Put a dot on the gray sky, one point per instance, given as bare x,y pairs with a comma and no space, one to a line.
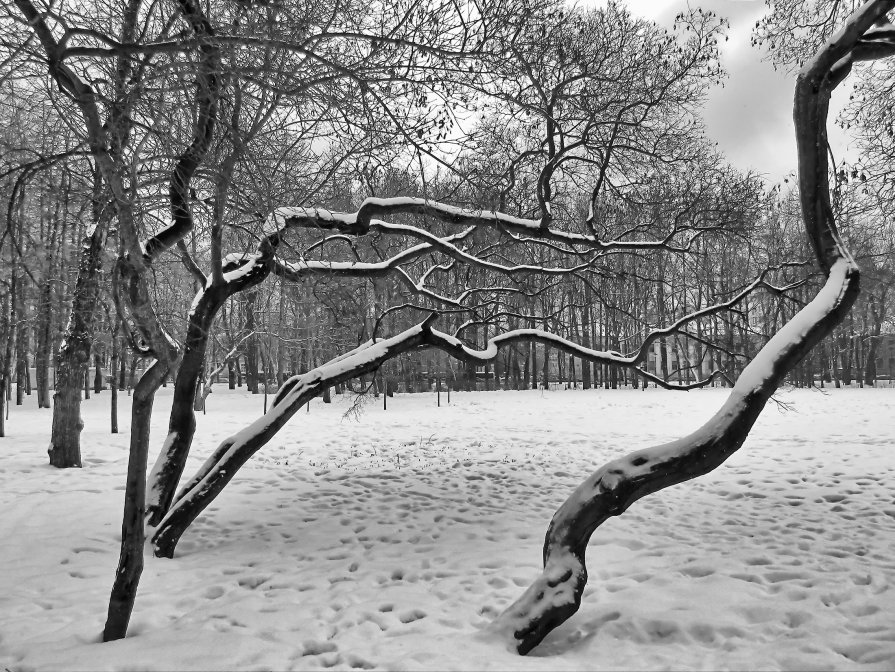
751,117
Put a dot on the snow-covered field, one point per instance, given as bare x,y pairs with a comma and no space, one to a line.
390,541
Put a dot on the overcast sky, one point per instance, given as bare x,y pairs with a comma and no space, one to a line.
751,117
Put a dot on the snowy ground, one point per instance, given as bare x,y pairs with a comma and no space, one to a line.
390,541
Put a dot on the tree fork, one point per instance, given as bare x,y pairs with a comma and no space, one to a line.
182,424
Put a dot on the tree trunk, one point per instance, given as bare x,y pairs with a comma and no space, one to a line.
876,313
130,560
233,452
251,344
74,353
42,351
182,423
21,342
97,373
113,378
6,359
526,363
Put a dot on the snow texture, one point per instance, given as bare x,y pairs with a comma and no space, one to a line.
392,541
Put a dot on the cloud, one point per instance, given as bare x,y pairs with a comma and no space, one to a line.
750,117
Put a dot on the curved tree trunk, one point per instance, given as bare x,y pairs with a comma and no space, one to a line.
556,594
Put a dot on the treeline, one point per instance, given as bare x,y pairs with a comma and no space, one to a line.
282,328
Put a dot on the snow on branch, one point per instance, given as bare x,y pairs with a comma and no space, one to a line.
298,390
296,270
445,246
362,222
233,452
456,348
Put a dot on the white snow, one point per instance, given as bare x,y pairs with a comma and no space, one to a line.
234,275
392,541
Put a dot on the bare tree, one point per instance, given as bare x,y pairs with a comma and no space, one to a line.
490,235
556,595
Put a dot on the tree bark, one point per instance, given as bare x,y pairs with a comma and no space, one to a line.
97,373
251,344
182,423
876,314
6,359
113,380
21,344
42,350
74,354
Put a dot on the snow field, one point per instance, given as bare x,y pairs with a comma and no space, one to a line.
392,540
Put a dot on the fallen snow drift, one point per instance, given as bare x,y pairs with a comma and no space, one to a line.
391,541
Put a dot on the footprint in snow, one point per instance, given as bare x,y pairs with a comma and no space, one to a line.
213,592
412,615
315,648
252,582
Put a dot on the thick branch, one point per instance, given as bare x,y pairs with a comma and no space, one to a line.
361,222
207,96
234,452
609,491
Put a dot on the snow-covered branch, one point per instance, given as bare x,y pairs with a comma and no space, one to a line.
230,455
366,219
